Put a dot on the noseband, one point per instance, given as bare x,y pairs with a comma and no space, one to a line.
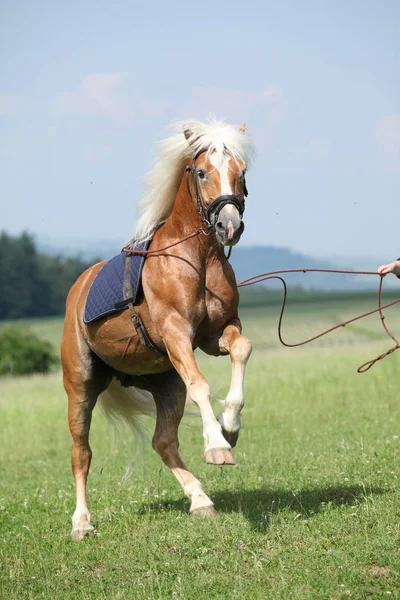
209,212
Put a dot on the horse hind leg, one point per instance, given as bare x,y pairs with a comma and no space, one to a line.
169,394
84,380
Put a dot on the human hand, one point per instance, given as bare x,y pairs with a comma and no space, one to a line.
393,267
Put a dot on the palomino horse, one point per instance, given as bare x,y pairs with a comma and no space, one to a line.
195,203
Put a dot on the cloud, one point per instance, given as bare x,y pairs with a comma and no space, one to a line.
14,104
106,94
388,139
99,94
234,103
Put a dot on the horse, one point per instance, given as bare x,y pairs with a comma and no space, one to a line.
192,209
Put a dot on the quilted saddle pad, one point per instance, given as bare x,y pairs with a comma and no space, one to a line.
106,294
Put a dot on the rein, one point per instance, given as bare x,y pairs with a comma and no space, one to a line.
145,252
209,215
274,275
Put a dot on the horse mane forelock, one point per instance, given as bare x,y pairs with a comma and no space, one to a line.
163,181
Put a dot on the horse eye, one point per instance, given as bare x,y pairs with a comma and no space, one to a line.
201,174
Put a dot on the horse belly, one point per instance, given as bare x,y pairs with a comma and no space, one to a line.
115,340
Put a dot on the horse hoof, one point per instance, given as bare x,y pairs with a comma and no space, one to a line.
205,511
219,456
78,534
231,437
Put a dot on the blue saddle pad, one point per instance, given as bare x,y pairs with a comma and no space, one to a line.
106,294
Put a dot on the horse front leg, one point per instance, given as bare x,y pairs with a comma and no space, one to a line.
177,339
235,344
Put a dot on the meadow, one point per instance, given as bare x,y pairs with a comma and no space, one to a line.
311,511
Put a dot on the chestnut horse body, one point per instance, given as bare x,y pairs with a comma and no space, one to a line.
190,300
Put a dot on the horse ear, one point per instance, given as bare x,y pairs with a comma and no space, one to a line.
242,127
188,133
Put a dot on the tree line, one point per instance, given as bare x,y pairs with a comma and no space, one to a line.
34,284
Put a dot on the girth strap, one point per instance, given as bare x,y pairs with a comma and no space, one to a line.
142,331
136,318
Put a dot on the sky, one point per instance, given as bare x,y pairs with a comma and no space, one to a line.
87,88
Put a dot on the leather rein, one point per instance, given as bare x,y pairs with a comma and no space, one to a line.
208,214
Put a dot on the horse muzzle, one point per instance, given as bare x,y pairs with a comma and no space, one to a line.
229,226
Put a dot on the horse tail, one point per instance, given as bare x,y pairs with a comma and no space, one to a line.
126,404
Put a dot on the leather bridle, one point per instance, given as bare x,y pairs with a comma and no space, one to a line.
209,212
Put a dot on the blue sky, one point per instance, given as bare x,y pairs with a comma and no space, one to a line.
87,88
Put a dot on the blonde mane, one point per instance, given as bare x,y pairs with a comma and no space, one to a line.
163,181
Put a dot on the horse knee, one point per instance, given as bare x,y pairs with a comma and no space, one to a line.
241,349
199,391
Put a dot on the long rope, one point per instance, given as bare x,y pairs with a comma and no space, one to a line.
274,275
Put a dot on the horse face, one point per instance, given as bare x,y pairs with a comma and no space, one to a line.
221,175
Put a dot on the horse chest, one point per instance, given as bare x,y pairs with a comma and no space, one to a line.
221,301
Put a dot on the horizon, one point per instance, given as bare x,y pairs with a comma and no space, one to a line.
73,243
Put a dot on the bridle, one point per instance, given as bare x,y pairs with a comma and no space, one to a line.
209,212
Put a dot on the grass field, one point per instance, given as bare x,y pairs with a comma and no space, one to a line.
311,511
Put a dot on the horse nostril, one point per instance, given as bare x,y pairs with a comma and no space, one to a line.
220,225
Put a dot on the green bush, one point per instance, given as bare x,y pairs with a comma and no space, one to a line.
23,352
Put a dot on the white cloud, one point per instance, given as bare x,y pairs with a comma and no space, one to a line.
14,104
104,94
99,94
238,104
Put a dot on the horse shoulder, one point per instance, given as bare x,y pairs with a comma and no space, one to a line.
222,297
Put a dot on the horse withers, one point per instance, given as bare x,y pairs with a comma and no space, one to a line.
194,205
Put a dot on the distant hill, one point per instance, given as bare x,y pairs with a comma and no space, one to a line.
251,260
84,248
246,261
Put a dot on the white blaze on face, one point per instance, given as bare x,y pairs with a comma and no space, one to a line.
223,170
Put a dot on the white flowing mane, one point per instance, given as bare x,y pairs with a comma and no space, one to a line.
163,181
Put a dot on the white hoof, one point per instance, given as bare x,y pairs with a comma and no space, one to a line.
205,511
81,528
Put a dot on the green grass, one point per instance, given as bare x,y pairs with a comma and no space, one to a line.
312,510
